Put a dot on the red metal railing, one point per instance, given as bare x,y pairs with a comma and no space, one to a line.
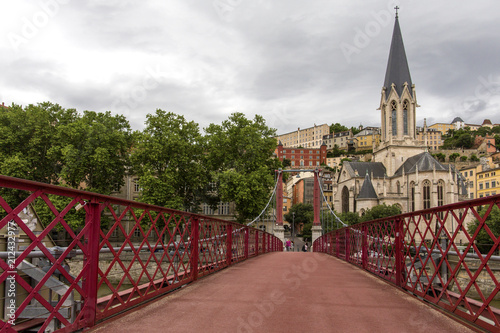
115,254
446,255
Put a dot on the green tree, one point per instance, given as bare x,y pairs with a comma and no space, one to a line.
483,241
300,213
355,130
27,137
474,158
336,128
349,218
440,157
453,157
463,158
239,156
94,151
168,159
380,211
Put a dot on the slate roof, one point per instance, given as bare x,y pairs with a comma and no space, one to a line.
397,71
367,190
376,168
457,119
424,162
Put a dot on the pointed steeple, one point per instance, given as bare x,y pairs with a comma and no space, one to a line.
367,190
397,71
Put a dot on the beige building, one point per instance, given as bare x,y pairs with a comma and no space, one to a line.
402,172
429,137
311,137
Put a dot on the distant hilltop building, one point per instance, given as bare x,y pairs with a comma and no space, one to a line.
402,172
457,123
311,137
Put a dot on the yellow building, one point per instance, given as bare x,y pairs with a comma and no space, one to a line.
488,182
431,138
311,137
442,127
470,174
366,138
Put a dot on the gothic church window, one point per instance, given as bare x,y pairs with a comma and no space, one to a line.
405,117
345,200
427,194
394,118
412,196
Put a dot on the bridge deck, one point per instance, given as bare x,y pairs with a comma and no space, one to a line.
286,292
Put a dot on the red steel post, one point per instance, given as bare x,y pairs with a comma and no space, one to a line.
256,242
279,198
195,238
364,247
317,201
264,243
347,245
93,220
337,244
398,251
229,244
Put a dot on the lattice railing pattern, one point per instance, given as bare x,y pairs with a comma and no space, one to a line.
447,255
114,254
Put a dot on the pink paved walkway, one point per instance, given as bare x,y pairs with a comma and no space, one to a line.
286,292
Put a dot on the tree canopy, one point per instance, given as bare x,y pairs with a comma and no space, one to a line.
239,157
168,159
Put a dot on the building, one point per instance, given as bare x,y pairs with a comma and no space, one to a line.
311,137
441,127
471,175
302,157
367,138
402,172
485,144
303,191
429,137
341,139
488,182
328,141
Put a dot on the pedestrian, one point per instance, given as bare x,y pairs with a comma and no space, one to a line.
288,244
304,248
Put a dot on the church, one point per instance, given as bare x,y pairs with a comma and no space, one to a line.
402,171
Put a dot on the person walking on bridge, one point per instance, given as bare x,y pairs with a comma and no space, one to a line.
288,244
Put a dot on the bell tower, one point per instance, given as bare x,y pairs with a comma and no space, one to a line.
398,105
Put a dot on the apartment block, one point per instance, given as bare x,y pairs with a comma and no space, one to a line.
309,158
311,137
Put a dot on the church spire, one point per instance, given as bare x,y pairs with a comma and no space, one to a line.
397,72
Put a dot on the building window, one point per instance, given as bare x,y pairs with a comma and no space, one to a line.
412,196
427,194
480,186
405,117
493,183
137,187
394,118
487,184
440,196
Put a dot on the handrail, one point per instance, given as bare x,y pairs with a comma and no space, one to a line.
89,286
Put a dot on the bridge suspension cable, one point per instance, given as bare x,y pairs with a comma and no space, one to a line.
273,195
337,219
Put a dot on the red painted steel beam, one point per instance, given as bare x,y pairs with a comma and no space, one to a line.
317,201
279,198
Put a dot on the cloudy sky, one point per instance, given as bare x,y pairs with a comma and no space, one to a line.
295,62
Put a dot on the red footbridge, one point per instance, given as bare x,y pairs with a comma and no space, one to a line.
77,261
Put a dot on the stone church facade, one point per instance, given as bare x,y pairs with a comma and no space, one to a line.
402,172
